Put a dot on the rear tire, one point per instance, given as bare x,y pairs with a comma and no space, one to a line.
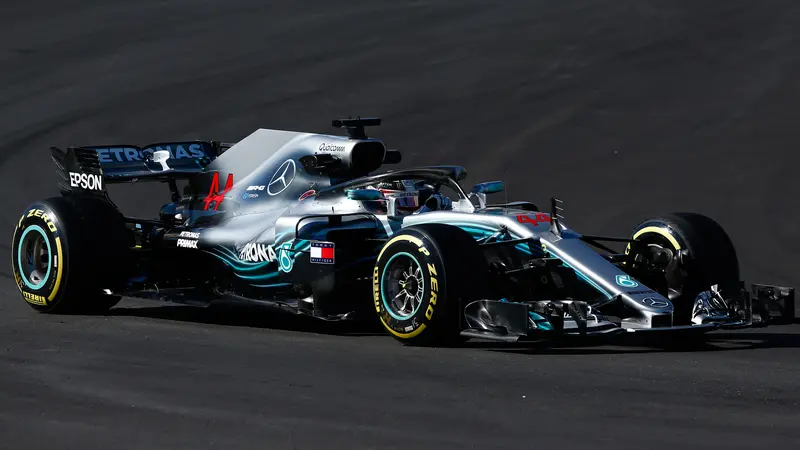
711,257
423,278
66,251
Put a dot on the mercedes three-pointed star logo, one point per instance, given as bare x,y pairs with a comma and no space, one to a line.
282,179
654,303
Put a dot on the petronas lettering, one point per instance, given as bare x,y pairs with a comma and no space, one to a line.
254,252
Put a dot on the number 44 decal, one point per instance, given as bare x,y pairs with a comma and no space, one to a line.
533,219
214,196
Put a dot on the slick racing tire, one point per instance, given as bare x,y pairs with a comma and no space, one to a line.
66,251
423,278
709,258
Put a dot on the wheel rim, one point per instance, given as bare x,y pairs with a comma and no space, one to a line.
402,286
654,243
33,257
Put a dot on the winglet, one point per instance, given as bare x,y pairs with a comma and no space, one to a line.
554,216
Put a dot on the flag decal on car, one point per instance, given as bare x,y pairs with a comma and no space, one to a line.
322,252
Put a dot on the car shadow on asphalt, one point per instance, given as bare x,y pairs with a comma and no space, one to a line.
250,317
777,336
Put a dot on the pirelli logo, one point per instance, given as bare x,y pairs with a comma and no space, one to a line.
33,298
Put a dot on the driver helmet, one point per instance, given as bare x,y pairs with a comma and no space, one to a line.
405,193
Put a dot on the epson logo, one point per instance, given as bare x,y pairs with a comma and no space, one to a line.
255,188
331,147
257,252
92,182
187,243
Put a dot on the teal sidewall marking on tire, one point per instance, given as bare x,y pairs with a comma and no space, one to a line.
383,295
24,277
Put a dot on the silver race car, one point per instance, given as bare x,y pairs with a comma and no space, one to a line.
303,223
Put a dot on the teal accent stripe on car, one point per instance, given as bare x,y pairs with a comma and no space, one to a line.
586,279
540,321
249,270
271,285
483,231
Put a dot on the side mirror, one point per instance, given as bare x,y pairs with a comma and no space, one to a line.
365,194
371,195
489,187
480,191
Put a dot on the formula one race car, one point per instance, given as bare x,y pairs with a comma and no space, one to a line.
303,223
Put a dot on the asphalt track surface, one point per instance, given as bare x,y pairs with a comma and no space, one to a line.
624,109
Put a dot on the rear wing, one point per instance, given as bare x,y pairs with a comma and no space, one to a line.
87,169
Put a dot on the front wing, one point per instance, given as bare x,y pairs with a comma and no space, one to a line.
502,320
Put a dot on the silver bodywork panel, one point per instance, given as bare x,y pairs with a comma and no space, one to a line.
263,212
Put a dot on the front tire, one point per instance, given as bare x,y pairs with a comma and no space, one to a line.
65,251
423,278
709,258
